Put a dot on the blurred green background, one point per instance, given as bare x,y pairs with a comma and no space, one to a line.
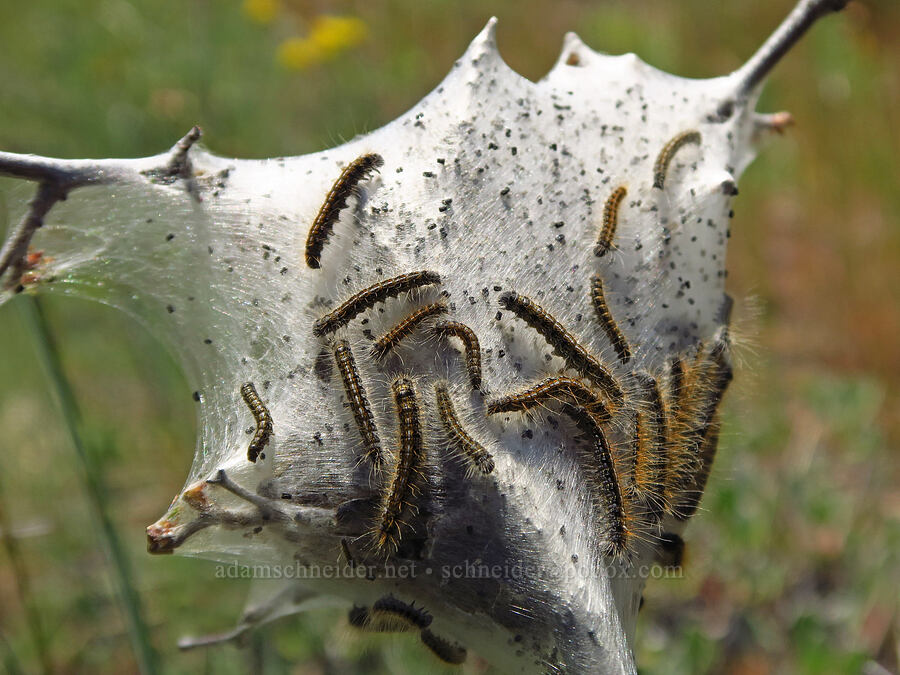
794,562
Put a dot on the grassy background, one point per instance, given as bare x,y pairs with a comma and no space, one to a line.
794,563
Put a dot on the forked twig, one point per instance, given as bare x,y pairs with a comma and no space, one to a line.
295,521
57,177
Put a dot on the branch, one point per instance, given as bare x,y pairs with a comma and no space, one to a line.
13,253
57,177
294,521
795,25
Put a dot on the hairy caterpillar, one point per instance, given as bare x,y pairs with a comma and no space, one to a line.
408,468
369,297
604,316
470,344
650,469
603,479
610,220
447,652
564,344
472,449
358,401
335,201
263,421
391,610
563,389
392,338
661,166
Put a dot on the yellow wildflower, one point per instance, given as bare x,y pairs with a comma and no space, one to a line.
334,34
261,11
299,53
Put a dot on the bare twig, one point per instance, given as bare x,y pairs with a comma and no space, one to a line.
162,539
13,253
776,122
267,508
804,15
187,642
179,165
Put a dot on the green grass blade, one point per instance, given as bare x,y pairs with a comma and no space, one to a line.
23,590
93,481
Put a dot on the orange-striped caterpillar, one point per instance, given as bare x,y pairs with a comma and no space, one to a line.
335,201
369,297
581,405
697,434
650,468
717,373
263,421
392,338
680,405
408,468
470,344
473,450
693,491
358,401
661,167
610,220
563,343
447,652
675,382
604,316
562,389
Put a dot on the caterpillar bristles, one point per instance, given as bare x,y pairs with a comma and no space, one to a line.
680,403
470,345
649,464
559,389
370,296
404,328
478,458
564,344
358,401
263,421
610,220
661,166
607,322
693,492
675,382
335,202
389,611
704,386
345,552
603,479
407,470
448,652
363,619
651,460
